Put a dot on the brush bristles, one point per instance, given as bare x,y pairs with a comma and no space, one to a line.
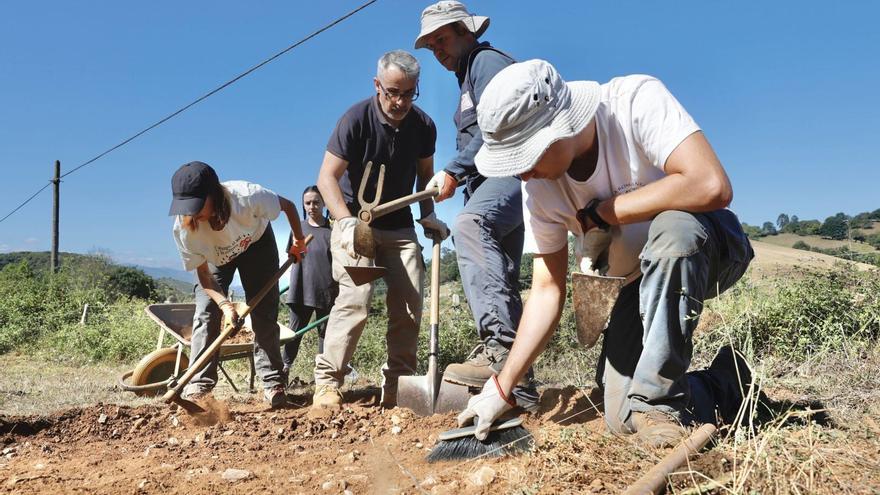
499,443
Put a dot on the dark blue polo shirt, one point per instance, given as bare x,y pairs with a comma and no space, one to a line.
363,134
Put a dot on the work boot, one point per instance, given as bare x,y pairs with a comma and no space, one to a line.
327,396
736,374
657,429
275,396
485,360
194,393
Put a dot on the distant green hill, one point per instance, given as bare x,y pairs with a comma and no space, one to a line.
39,260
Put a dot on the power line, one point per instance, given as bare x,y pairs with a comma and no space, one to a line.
196,101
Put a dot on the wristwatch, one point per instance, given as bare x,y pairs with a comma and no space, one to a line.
590,212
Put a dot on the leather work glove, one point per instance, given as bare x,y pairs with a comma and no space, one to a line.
298,249
434,226
230,315
445,182
346,231
591,251
486,407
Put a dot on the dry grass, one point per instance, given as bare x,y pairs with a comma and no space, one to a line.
788,240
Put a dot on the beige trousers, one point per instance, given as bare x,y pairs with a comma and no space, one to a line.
399,252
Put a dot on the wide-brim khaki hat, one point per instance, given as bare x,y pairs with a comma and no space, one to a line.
524,109
447,12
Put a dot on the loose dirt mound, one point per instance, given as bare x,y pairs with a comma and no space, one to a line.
364,449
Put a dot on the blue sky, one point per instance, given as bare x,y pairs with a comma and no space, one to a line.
785,91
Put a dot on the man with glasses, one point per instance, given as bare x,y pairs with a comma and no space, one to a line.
383,129
488,232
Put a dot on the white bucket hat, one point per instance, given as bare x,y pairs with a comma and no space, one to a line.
447,12
524,109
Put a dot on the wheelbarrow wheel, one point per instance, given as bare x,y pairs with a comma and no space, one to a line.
156,367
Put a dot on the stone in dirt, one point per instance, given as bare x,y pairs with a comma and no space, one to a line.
232,475
102,418
597,486
482,476
334,485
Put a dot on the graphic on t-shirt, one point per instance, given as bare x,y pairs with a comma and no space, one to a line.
225,254
628,187
466,102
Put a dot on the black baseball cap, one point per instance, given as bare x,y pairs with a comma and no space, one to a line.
190,186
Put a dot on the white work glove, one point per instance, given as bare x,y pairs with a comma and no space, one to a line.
435,225
486,407
346,232
230,315
445,182
590,251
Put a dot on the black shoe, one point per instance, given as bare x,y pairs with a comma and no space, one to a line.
732,365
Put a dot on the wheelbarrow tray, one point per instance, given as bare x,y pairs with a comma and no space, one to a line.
176,319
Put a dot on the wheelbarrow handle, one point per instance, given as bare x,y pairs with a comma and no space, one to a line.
208,354
368,215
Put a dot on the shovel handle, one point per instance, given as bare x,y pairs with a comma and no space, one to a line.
212,349
368,215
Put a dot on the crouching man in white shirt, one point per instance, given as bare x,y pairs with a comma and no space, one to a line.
624,168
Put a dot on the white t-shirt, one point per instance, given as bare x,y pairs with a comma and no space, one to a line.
251,208
639,124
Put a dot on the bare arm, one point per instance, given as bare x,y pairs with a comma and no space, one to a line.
209,285
424,173
289,210
539,319
695,182
328,183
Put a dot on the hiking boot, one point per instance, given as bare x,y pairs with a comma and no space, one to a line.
485,360
275,396
735,373
327,396
658,429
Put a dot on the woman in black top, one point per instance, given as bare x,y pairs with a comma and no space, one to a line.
312,288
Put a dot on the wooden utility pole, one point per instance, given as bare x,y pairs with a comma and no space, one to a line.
56,182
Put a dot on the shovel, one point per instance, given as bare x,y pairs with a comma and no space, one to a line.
176,386
423,393
593,297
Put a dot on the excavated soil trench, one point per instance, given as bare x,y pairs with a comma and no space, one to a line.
362,449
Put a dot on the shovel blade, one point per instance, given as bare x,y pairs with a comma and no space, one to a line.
593,297
189,406
417,393
452,397
361,275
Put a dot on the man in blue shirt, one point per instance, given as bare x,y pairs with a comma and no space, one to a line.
488,232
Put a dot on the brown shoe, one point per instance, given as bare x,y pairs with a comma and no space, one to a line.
657,429
327,396
484,361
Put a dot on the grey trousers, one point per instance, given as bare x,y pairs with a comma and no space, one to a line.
399,252
488,236
255,266
648,344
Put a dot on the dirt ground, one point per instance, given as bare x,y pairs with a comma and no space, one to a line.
156,449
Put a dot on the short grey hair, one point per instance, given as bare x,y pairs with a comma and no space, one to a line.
400,59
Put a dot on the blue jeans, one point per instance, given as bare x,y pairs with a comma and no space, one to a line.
647,349
488,236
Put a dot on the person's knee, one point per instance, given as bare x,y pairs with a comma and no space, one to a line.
466,227
674,234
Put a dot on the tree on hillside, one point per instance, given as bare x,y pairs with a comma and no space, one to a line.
132,282
782,220
752,232
835,227
792,227
768,229
448,265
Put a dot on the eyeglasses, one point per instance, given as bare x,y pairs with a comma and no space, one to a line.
411,95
